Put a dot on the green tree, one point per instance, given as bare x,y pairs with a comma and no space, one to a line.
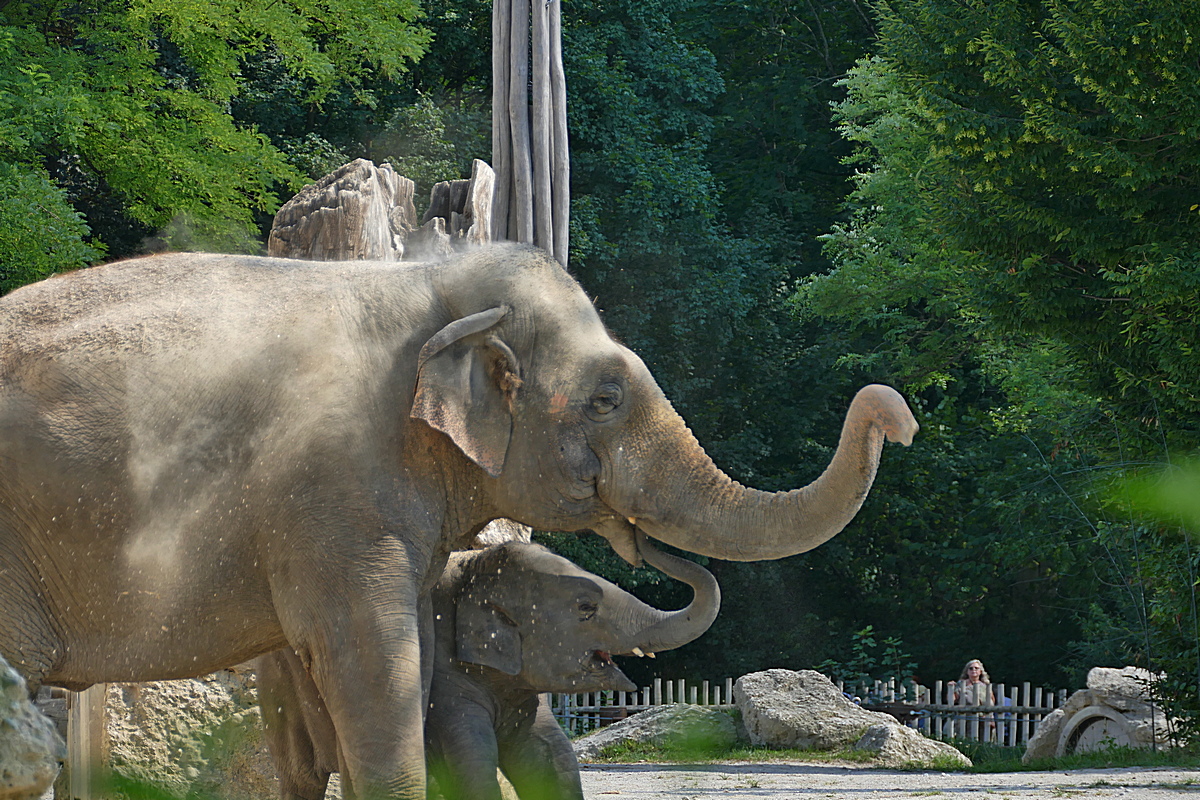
1024,214
127,105
40,233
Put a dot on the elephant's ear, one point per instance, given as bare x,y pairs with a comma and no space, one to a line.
466,383
486,635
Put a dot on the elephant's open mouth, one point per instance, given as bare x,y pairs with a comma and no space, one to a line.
603,673
601,660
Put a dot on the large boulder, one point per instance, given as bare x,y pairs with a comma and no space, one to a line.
31,751
1114,710
673,725
805,710
899,746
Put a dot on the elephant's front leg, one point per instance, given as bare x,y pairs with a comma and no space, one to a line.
357,631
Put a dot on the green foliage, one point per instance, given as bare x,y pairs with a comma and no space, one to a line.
1021,238
1172,495
40,233
1166,558
1060,138
128,105
867,662
414,142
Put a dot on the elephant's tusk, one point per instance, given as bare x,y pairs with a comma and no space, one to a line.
632,520
650,655
637,651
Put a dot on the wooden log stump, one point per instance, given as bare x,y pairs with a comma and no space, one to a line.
466,205
357,212
361,211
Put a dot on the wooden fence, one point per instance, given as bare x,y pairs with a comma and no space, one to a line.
1010,721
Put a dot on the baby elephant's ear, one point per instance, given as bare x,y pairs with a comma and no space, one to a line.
466,382
487,635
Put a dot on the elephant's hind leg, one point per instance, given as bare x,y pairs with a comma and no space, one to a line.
298,731
462,755
539,761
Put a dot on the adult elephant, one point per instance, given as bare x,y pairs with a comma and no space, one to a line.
204,458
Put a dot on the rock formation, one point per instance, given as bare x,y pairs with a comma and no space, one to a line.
195,737
677,725
31,751
1113,711
805,710
361,211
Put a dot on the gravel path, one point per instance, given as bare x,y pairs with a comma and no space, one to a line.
778,780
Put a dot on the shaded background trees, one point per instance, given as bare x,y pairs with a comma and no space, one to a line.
989,205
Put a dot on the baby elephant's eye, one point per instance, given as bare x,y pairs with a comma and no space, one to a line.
606,399
586,611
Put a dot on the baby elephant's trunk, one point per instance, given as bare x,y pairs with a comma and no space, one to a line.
676,628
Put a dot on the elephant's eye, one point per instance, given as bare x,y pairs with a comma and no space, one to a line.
586,611
606,399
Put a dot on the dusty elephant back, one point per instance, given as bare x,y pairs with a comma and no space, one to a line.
159,410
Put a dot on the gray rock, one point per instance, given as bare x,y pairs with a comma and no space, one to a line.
898,746
663,725
1127,690
1044,742
31,751
195,737
804,710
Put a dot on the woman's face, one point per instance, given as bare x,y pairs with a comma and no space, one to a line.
975,671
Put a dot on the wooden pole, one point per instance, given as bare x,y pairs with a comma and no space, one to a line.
501,132
561,151
85,738
543,209
530,148
520,220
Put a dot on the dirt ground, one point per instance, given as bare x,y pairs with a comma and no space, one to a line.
806,780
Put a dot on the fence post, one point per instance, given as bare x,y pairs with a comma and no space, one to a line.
1027,716
658,692
1000,717
705,685
935,724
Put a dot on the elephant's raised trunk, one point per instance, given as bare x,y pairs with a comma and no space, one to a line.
673,629
680,497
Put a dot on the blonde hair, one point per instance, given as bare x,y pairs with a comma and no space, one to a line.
983,675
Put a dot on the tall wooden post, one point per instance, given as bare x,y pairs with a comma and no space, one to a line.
85,740
530,151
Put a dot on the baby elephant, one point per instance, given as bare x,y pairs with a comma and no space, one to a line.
511,621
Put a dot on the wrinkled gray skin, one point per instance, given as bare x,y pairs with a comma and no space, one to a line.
204,458
511,621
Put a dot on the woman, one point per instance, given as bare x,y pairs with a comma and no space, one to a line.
974,688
